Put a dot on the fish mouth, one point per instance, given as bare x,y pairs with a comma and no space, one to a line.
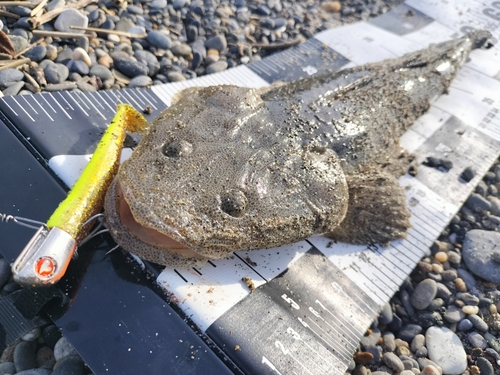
146,234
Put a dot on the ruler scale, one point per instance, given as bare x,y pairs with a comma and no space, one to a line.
313,299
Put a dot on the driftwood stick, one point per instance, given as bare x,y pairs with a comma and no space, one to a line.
106,31
28,48
38,8
58,34
288,43
16,3
15,63
9,14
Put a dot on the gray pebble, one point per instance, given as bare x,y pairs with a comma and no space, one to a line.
45,358
436,304
78,66
71,364
37,53
389,344
409,331
423,362
63,349
124,24
55,4
216,67
10,76
446,349
7,368
453,314
405,302
175,77
495,205
217,42
130,67
476,340
449,275
181,50
100,71
36,371
13,89
32,335
134,9
468,174
56,73
421,352
160,4
392,360
71,17
140,81
24,356
5,271
478,323
51,335
385,316
443,292
485,366
477,250
423,294
477,202
467,277
149,59
376,351
454,258
469,299
20,43
64,56
417,342
159,39
464,325
408,364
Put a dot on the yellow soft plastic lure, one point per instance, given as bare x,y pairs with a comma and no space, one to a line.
46,257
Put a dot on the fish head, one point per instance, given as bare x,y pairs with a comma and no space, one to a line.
216,173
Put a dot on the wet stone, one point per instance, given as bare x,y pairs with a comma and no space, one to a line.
24,356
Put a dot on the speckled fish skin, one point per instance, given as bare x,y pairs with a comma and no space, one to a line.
228,168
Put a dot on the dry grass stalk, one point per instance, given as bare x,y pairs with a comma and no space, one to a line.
15,64
38,8
28,48
58,34
106,31
9,14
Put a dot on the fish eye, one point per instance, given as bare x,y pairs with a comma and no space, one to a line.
233,202
177,149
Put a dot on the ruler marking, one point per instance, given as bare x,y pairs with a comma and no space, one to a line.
133,94
63,98
79,97
93,94
8,105
340,289
60,106
329,366
24,97
121,99
147,93
46,101
27,114
140,92
92,104
105,101
340,352
355,335
79,106
110,98
43,109
125,92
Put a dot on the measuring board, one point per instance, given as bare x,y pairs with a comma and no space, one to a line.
313,299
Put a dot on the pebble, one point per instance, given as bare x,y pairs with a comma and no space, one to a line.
216,67
445,349
45,358
7,368
63,349
36,371
467,278
477,250
478,323
389,343
24,356
56,73
385,316
331,6
71,364
468,174
363,358
217,42
37,53
10,76
78,66
100,71
408,332
159,39
470,310
453,314
393,361
492,341
51,335
140,81
430,370
181,50
71,17
476,340
423,294
5,271
130,68
485,366
464,325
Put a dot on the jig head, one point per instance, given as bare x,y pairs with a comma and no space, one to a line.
46,257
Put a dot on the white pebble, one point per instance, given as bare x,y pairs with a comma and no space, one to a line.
470,310
80,54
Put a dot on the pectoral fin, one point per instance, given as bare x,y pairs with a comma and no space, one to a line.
376,210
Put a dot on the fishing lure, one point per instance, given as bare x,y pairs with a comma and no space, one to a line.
47,255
